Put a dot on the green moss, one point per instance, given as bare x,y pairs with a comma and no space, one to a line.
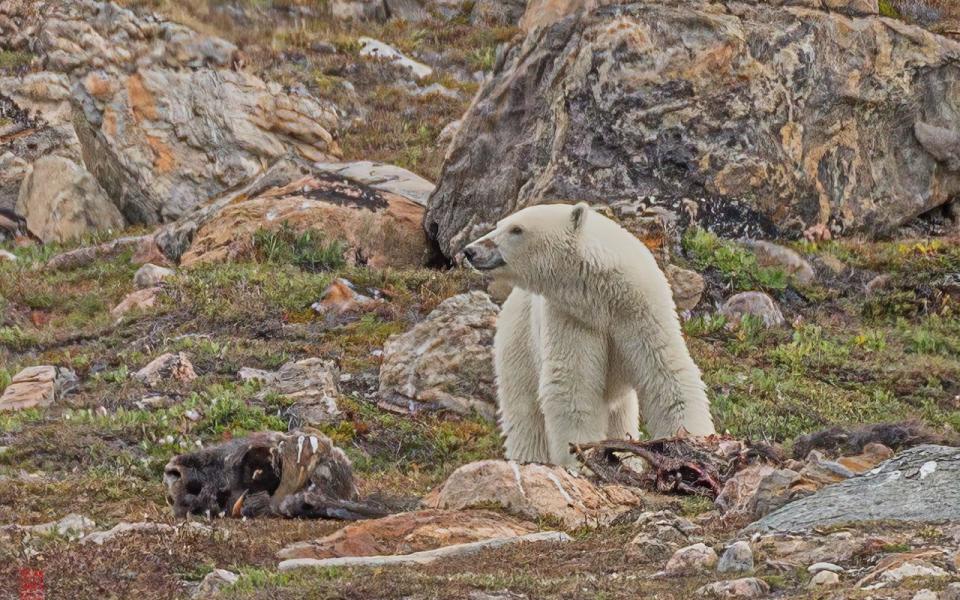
310,250
10,59
735,264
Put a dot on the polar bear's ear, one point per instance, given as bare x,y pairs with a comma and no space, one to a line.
579,215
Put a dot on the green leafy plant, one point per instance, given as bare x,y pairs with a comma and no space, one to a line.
737,265
310,250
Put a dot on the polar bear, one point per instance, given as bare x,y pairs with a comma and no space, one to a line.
590,323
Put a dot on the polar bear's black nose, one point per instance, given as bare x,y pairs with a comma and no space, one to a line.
470,252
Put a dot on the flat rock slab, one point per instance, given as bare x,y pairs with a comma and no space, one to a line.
383,177
922,485
410,532
37,387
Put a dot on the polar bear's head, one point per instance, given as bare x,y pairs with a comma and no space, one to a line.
535,243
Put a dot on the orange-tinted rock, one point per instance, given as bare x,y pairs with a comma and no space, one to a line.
379,229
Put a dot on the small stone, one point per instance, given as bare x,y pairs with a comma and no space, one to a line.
153,402
774,255
825,579
747,587
756,304
215,581
150,275
691,560
376,49
138,300
342,297
926,595
687,286
164,367
737,558
824,566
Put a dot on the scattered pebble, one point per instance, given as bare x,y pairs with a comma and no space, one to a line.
825,579
691,560
824,566
747,587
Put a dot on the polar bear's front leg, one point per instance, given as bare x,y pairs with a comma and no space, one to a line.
572,380
668,382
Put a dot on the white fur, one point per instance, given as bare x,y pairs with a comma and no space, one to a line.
590,322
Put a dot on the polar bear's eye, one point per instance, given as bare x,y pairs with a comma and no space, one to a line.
516,230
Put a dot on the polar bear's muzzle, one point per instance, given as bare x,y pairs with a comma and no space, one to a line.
483,255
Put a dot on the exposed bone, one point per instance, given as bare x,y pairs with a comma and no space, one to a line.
685,465
424,557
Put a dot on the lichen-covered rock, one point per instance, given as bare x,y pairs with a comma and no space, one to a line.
533,491
162,142
745,117
736,558
927,475
37,387
375,49
754,304
445,361
408,532
379,229
61,201
162,120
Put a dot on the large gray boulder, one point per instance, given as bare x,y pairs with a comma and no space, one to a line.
921,484
61,201
755,119
445,361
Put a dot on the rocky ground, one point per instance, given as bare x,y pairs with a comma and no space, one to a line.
195,249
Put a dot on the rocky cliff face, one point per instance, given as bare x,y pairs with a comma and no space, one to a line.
783,118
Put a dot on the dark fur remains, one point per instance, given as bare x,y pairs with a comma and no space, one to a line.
896,436
283,474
